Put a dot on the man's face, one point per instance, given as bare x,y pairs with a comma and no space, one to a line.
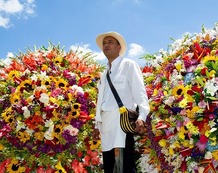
111,47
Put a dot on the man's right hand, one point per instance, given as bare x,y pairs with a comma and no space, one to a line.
96,134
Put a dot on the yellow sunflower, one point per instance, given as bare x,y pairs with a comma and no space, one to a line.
76,106
23,136
94,144
13,73
215,154
209,58
8,117
58,131
191,113
1,147
58,60
75,113
55,115
178,91
61,83
44,67
46,82
215,44
14,98
7,114
60,168
15,167
71,97
26,85
39,136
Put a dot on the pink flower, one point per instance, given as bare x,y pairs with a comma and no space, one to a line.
201,146
202,104
56,92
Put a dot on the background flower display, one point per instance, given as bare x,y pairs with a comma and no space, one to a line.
182,85
48,99
47,105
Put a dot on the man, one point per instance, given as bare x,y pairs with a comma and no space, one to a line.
126,76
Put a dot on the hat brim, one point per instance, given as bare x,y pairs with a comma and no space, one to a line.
119,37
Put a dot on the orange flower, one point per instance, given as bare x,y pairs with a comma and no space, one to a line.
33,121
30,61
15,66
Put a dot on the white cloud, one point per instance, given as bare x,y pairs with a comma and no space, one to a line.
135,51
7,60
100,56
9,8
4,22
84,48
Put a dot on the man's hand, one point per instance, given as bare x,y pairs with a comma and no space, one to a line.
140,126
96,134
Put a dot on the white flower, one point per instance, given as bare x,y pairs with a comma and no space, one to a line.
213,130
208,155
29,131
34,77
211,87
26,112
20,125
48,134
60,97
49,123
145,166
44,98
43,75
77,88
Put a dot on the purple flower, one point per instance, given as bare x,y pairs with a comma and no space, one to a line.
71,139
76,123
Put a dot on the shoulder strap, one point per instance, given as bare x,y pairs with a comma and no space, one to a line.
116,96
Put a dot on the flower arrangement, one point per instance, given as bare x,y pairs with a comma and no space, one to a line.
47,106
182,86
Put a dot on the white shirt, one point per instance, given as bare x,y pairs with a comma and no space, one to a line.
127,79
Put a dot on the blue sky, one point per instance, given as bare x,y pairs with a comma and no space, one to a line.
147,25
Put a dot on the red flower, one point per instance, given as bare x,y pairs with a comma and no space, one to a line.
87,160
40,169
78,167
79,154
34,121
203,139
84,116
183,166
84,80
3,165
147,69
186,152
203,71
86,95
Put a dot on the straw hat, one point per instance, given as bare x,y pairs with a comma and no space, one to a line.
116,35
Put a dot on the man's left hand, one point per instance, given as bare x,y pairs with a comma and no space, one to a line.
140,126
